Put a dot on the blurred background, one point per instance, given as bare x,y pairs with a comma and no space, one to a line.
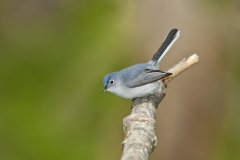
54,54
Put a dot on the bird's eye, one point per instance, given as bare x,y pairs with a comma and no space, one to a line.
111,81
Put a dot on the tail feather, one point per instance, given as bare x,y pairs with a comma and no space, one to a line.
166,45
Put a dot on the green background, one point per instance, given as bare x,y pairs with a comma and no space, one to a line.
54,54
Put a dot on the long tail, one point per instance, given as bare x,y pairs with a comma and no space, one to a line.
166,45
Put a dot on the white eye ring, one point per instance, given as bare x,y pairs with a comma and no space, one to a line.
111,81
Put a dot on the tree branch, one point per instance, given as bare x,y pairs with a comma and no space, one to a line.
139,126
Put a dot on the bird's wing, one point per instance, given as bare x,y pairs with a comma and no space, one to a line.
144,77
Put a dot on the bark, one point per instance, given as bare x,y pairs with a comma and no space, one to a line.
139,126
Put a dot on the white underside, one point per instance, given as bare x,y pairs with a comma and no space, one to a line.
141,91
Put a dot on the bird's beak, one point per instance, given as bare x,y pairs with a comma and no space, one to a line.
105,88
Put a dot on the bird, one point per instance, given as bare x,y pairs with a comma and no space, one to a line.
141,79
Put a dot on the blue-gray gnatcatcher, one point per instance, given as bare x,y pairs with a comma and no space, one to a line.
142,79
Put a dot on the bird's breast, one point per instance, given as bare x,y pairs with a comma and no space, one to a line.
140,91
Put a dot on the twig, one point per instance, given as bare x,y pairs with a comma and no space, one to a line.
139,126
181,66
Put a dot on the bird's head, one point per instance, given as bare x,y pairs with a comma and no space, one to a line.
110,82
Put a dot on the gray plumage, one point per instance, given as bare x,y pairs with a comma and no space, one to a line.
140,79
141,74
